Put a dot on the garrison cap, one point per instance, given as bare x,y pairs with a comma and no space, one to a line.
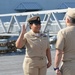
35,19
71,12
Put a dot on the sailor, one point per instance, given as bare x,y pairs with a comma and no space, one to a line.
65,46
38,56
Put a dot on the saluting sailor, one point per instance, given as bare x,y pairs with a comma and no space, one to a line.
38,56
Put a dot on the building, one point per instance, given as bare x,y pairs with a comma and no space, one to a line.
7,6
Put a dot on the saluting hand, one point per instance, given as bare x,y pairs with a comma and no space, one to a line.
23,31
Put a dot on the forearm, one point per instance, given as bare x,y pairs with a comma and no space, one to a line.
20,41
58,56
48,54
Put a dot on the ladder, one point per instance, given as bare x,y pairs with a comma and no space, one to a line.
51,22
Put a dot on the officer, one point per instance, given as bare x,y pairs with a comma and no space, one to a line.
38,56
65,46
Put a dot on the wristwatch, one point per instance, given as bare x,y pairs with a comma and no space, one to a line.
57,68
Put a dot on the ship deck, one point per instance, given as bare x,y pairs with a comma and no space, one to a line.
11,63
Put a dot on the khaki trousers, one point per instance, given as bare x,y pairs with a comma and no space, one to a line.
35,66
68,68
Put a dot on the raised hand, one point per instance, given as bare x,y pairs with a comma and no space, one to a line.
23,31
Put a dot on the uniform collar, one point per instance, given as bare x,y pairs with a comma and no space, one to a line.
35,34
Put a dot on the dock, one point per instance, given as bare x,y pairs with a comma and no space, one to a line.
11,63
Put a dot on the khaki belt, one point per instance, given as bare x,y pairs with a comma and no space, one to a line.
40,57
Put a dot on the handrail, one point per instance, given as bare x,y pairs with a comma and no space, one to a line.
35,12
50,21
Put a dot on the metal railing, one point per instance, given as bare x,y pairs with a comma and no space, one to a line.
51,21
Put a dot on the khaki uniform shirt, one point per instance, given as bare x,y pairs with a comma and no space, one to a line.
66,42
36,45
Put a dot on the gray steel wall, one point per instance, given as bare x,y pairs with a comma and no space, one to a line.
8,6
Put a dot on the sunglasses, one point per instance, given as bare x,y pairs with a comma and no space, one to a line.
37,23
